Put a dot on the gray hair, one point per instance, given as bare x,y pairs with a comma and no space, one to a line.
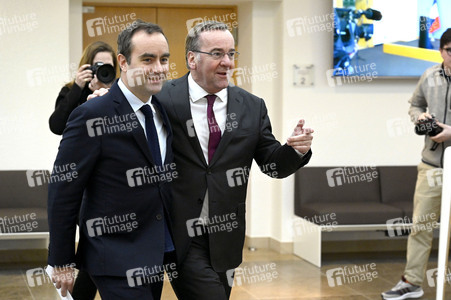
192,39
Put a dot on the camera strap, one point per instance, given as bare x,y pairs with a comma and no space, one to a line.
434,147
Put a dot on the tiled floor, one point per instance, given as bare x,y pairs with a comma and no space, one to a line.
267,275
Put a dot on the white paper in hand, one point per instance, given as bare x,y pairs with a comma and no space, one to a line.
49,271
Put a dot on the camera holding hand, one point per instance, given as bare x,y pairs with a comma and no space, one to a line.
428,127
105,72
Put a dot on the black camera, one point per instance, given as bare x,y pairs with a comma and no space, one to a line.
428,127
105,72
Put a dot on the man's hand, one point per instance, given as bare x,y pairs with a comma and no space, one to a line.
98,93
64,279
301,139
444,135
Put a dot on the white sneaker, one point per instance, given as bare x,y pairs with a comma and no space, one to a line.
403,290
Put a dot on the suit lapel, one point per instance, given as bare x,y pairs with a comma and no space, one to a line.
123,108
234,113
179,94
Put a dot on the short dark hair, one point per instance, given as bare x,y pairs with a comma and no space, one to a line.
446,38
192,39
124,40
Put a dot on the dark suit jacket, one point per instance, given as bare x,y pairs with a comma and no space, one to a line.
226,175
103,159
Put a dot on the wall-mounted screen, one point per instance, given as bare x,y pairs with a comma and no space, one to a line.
396,38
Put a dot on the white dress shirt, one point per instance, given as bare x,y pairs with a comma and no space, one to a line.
136,105
198,105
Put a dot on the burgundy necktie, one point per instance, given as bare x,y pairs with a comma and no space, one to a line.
215,131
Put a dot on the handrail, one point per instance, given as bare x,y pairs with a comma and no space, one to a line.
445,210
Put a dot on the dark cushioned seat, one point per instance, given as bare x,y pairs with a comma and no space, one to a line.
23,202
398,187
21,220
314,185
356,195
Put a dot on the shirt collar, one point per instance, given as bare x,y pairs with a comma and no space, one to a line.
443,73
196,92
134,101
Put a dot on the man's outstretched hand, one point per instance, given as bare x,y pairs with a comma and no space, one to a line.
301,139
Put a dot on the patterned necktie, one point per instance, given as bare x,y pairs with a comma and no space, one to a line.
215,131
152,136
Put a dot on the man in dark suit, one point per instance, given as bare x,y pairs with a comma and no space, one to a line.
218,131
120,147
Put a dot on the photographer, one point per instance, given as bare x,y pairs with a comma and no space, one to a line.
76,92
432,98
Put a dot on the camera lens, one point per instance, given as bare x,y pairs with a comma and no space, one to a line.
106,73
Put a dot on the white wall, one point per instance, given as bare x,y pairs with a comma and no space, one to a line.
35,64
359,124
365,123
400,14
355,124
76,30
351,121
259,35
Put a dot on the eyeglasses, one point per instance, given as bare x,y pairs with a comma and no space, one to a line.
448,50
217,55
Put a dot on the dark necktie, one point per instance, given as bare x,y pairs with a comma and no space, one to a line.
215,132
152,136
154,145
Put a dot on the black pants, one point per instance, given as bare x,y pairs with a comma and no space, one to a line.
120,288
84,287
196,278
117,288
